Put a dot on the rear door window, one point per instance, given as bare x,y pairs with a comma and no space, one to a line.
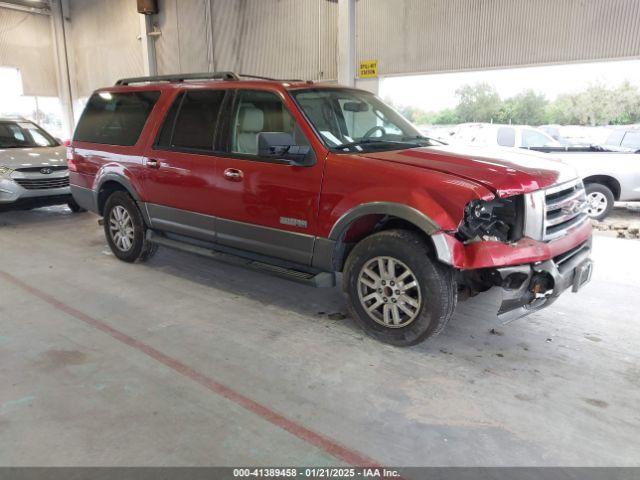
115,118
192,121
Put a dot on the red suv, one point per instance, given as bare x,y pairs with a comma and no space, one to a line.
304,180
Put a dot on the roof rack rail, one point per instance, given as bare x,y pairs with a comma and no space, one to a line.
179,77
258,77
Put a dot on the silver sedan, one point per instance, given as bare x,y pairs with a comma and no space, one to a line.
33,167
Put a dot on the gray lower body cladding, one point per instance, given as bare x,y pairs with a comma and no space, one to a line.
272,242
299,248
86,198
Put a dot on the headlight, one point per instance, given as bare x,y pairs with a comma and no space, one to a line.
500,219
5,171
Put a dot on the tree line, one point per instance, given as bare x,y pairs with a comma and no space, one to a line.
596,105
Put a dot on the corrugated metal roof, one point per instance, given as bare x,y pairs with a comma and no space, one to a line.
413,36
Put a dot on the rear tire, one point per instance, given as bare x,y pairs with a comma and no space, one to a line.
397,292
125,229
600,201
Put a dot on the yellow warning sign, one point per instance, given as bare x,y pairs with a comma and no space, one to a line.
368,69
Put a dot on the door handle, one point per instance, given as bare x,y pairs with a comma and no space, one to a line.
153,163
233,174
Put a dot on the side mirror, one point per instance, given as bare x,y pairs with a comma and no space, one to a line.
281,145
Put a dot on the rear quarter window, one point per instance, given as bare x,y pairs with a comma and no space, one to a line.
115,118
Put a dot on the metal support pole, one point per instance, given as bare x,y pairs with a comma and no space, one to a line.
208,19
347,42
147,42
63,76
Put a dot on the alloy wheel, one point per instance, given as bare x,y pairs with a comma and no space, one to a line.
389,292
121,228
597,203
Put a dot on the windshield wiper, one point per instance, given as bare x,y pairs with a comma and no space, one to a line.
372,141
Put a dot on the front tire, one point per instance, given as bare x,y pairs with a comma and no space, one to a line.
600,201
397,292
125,229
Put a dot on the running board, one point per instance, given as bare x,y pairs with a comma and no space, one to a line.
312,278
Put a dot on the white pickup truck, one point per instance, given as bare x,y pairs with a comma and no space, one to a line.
609,174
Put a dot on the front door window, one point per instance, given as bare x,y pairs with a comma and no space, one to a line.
256,112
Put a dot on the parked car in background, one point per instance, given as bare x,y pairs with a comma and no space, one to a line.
554,132
304,180
33,167
495,135
437,132
627,138
608,176
576,135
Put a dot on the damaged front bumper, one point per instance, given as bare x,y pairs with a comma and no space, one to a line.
531,287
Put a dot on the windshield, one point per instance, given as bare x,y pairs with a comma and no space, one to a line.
24,135
353,120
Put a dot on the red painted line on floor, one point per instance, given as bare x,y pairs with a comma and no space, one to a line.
318,440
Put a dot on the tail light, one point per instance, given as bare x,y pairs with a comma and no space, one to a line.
71,162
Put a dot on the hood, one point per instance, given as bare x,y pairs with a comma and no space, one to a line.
33,157
503,172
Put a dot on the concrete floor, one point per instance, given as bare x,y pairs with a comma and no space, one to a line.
185,361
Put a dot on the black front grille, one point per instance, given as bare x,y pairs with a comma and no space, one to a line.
42,183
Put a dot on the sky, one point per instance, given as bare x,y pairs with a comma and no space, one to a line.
437,91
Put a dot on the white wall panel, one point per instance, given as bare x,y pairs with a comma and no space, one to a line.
103,36
182,47
26,43
282,38
413,36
